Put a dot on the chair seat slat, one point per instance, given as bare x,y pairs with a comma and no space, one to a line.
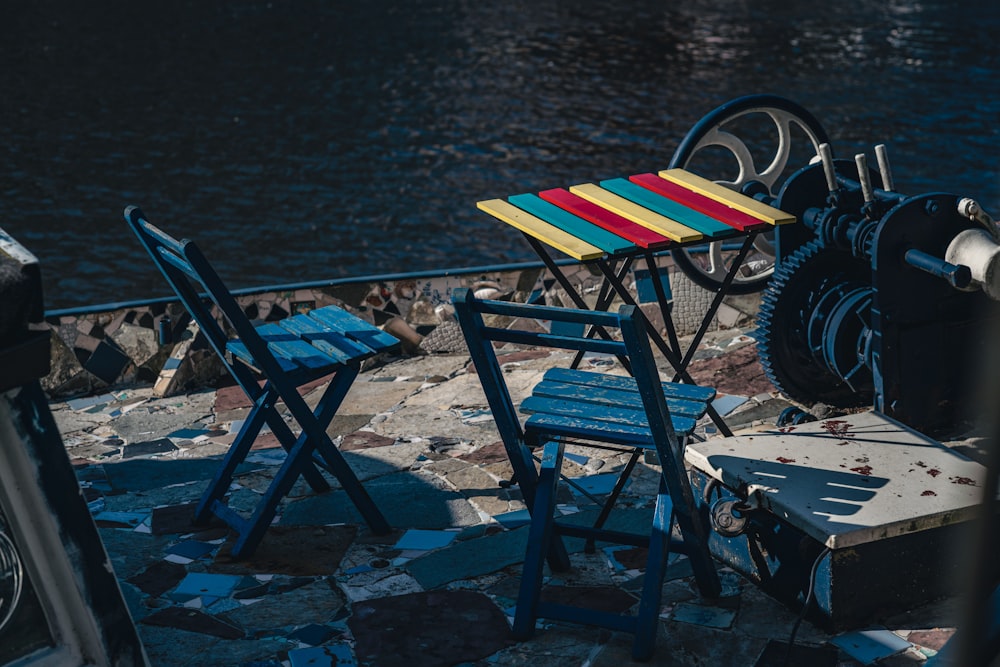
333,343
353,327
597,395
691,392
591,413
288,345
240,351
589,429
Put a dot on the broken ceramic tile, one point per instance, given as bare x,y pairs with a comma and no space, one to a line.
85,403
512,520
212,585
868,646
612,560
193,620
120,519
322,656
292,550
597,485
158,578
777,654
726,403
313,634
711,617
148,448
387,585
173,519
187,433
190,549
425,540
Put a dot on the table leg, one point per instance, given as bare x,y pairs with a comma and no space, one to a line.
717,300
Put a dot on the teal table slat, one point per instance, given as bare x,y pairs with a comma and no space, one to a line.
587,231
686,216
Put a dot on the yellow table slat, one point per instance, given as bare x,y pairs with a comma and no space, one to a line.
724,195
636,213
541,230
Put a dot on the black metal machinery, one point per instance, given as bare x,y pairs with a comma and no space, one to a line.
876,297
60,603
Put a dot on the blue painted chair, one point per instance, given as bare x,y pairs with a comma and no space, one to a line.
285,355
588,408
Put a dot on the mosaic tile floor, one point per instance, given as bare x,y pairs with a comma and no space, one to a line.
440,589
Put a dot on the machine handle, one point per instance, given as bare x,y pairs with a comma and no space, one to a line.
957,275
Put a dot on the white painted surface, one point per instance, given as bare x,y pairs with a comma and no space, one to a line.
847,481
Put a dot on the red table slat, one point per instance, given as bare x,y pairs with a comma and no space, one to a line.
602,217
699,202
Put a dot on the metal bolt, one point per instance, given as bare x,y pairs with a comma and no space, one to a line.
932,207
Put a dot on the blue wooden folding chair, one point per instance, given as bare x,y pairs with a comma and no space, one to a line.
592,409
285,355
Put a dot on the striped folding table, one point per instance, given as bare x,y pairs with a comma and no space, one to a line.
613,223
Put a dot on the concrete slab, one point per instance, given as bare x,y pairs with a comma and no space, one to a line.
847,481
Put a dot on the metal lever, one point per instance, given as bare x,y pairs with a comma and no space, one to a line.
883,167
957,275
826,156
864,178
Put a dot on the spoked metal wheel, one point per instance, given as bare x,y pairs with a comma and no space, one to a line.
11,577
726,146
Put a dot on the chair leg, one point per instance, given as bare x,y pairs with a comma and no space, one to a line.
237,452
287,439
263,515
692,525
328,407
696,546
539,539
312,438
648,616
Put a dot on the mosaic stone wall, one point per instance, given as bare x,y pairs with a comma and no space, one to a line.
157,343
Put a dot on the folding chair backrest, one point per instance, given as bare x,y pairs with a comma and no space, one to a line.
633,346
192,278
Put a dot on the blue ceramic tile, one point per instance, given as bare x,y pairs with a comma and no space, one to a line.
126,518
597,485
868,646
107,362
322,656
313,634
726,404
187,433
514,519
425,540
191,549
709,617
211,585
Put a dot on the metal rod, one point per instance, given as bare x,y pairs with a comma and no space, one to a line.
864,177
826,156
883,167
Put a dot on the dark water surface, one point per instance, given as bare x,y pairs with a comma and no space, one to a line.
308,140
